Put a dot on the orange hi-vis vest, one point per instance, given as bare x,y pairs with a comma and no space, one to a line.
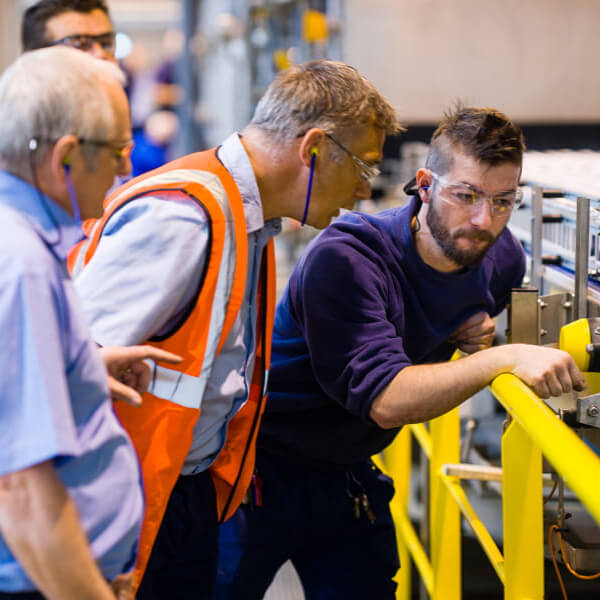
161,429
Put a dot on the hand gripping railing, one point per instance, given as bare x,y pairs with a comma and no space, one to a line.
534,430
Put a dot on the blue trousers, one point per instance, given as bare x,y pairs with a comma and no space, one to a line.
309,516
183,562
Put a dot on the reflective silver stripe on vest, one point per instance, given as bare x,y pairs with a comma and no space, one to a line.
177,387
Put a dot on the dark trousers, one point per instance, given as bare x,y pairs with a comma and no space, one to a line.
21,596
309,517
183,562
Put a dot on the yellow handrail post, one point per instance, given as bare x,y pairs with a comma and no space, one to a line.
522,511
396,463
445,530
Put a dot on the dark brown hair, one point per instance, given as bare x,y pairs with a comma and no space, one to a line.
486,134
33,29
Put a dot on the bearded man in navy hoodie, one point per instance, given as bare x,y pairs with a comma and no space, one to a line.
373,311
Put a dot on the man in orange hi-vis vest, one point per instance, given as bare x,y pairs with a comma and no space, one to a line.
183,259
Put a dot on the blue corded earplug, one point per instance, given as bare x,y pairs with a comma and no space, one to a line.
314,152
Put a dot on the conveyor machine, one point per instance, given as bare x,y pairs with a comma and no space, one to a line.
560,230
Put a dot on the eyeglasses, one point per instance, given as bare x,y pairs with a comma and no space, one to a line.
366,171
466,196
120,150
82,41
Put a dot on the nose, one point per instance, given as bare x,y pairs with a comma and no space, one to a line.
481,214
363,190
125,166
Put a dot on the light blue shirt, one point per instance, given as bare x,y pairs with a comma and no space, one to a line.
147,270
54,399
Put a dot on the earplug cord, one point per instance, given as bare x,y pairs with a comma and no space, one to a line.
313,159
72,195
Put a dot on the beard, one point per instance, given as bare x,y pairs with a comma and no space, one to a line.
448,242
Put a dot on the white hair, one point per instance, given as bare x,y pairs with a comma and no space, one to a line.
48,93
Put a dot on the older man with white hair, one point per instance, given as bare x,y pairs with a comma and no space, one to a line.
70,492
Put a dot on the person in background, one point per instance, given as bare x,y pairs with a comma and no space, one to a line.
81,24
375,307
71,501
183,259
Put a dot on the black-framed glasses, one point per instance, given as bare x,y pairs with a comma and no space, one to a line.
85,42
466,196
366,171
120,150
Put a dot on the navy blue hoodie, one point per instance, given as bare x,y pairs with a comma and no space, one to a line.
359,307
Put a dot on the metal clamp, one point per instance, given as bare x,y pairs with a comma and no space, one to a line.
588,410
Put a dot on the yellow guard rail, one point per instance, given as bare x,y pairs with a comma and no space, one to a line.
534,430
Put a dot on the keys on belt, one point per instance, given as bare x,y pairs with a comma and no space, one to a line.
356,492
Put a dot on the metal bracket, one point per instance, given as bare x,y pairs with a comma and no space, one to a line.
556,310
524,317
588,410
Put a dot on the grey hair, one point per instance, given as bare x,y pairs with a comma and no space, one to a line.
327,94
48,93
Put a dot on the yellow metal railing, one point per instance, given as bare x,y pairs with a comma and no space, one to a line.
534,430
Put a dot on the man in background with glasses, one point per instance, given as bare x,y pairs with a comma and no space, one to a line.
81,24
372,312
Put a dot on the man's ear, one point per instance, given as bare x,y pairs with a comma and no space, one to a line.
311,144
424,183
61,157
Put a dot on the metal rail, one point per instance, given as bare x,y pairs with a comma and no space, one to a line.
534,430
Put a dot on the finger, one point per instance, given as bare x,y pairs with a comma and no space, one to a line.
467,349
564,380
138,382
156,354
143,374
577,377
120,391
473,321
486,339
481,341
471,348
542,390
554,385
475,332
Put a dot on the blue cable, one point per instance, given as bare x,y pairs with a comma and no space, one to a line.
313,159
72,196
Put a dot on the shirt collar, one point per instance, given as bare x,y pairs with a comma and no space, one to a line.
53,224
234,157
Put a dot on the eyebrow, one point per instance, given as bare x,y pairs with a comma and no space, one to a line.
479,191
